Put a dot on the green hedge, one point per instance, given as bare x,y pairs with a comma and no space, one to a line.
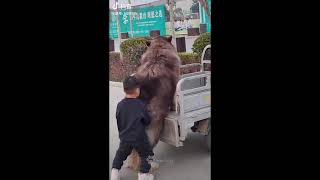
132,50
114,56
120,69
188,58
201,42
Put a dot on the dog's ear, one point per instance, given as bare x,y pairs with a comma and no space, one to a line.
169,38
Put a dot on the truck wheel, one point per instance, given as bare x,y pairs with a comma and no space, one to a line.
208,141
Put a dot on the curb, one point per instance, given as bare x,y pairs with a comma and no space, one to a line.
115,84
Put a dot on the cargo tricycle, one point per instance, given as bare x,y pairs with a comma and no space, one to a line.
192,105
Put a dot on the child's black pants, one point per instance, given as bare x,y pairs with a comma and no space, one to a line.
144,150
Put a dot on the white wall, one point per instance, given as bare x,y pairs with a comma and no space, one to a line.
189,42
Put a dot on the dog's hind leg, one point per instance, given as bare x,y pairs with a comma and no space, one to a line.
133,161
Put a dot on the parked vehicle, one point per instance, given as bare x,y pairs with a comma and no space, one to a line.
192,105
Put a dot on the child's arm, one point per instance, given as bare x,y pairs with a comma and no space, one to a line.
146,119
117,117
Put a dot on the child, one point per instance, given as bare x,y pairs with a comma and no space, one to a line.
132,118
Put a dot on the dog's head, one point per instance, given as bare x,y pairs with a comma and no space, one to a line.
159,47
163,42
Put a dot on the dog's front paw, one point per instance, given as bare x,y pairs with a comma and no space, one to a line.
154,167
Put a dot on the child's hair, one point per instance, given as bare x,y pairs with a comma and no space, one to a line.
130,84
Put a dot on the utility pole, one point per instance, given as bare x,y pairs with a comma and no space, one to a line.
118,26
172,23
130,15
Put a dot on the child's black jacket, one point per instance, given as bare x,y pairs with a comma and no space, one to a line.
132,119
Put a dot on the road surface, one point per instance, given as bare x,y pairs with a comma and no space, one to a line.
189,162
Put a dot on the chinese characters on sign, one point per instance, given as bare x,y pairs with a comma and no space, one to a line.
143,21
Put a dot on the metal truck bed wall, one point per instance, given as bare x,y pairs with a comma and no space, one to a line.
191,101
193,104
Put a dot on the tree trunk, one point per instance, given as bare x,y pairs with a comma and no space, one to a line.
118,27
130,14
172,23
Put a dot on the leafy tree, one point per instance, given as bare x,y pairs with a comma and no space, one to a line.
179,12
167,14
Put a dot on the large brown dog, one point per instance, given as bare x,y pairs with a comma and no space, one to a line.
158,74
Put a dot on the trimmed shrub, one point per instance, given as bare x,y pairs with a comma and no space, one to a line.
188,58
118,69
114,56
132,50
200,43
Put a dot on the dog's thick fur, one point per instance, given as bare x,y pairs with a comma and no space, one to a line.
158,75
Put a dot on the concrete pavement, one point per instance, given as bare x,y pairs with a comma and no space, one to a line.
189,162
